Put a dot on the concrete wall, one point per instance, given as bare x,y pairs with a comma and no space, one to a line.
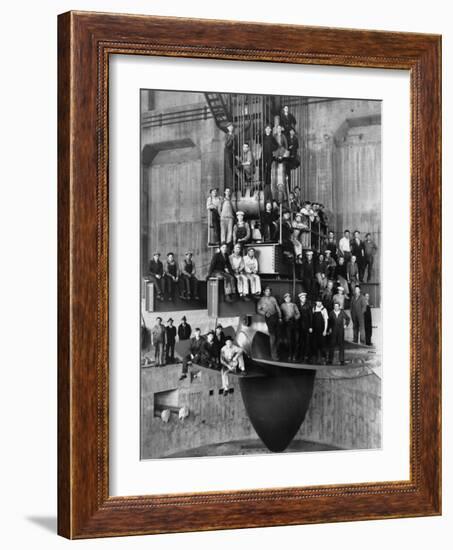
181,162
345,411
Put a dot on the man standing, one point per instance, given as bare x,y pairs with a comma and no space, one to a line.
342,275
158,341
194,354
268,306
226,217
344,246
269,146
320,323
339,297
184,329
358,308
221,269
308,274
189,281
213,207
156,273
170,339
338,319
368,321
358,250
327,296
230,152
293,161
331,271
291,316
305,327
370,252
331,245
353,273
269,223
171,276
241,229
287,120
247,163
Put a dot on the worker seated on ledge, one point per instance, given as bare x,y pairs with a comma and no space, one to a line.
221,269
231,360
209,353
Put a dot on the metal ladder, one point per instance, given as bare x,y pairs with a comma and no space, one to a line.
219,109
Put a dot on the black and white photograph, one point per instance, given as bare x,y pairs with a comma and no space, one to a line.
260,313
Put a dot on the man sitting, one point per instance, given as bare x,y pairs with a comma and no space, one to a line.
156,274
189,281
251,272
221,269
171,277
231,360
208,355
194,354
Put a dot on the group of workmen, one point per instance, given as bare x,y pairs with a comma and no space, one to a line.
274,151
312,329
214,350
168,277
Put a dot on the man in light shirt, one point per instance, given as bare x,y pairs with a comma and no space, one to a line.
226,217
338,319
231,360
344,246
268,306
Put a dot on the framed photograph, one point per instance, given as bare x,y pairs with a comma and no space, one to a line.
249,275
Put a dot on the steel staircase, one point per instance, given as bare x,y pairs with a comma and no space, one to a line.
219,109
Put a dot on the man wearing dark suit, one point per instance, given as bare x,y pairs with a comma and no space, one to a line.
269,146
293,160
368,320
156,274
184,329
219,339
208,354
170,339
338,319
331,245
305,327
358,308
194,354
308,274
287,120
358,250
221,269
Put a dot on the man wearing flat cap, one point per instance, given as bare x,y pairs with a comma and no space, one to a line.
291,316
184,329
308,274
320,325
305,327
156,274
189,281
170,339
241,229
268,306
171,277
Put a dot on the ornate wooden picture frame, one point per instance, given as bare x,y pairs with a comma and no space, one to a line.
86,41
